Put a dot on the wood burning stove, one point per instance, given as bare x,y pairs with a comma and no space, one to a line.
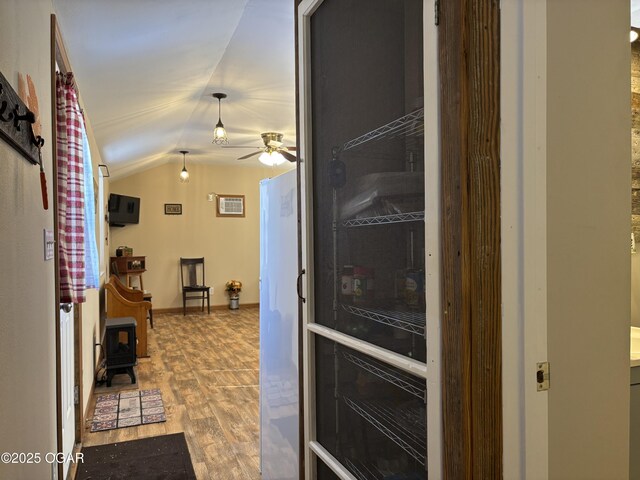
120,347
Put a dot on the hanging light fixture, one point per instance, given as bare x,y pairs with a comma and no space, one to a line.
219,133
184,175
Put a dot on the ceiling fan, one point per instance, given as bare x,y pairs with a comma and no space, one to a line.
273,152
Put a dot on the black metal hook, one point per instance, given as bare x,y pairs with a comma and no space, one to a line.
29,116
3,107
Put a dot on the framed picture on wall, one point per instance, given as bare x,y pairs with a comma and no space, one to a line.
230,205
173,209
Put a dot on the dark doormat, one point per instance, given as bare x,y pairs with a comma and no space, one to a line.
154,458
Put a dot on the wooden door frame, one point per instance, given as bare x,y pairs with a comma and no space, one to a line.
469,90
58,55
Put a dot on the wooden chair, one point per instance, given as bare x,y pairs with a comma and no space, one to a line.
132,294
193,282
118,306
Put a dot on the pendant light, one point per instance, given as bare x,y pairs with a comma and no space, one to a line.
184,175
219,133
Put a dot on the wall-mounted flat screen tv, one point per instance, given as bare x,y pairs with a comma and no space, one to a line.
123,210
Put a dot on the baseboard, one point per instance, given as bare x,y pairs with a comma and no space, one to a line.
199,309
91,392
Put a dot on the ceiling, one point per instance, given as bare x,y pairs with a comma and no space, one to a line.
146,70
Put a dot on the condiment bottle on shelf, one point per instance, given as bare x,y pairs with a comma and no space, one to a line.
346,283
359,284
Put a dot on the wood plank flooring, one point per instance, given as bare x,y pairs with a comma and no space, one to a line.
207,369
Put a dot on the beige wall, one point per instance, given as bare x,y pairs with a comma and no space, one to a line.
588,267
27,311
27,297
231,246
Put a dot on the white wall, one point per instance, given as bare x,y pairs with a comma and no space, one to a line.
27,300
230,245
566,180
588,224
523,231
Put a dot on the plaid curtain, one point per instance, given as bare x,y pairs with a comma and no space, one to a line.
70,191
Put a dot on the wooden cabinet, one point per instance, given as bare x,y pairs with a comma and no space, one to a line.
129,267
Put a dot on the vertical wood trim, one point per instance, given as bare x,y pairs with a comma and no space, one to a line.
469,57
58,55
483,177
456,374
54,170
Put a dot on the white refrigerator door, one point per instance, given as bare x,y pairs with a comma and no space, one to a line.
279,403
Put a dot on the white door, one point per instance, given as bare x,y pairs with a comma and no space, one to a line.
67,381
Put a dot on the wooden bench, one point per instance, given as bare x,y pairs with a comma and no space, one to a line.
119,306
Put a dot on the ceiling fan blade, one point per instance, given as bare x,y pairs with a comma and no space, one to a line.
291,149
240,146
248,156
288,156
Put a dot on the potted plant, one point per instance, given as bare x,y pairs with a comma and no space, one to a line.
233,288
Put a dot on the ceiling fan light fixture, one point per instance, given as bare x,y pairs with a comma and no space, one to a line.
277,158
265,158
271,158
219,133
184,174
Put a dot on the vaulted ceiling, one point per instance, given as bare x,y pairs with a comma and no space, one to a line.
146,70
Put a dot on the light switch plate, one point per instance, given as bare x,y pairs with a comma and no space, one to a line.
49,243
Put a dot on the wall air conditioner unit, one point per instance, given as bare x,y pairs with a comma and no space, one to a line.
230,206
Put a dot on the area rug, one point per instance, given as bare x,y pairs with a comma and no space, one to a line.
128,409
165,457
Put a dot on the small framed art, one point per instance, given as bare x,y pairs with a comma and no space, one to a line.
173,209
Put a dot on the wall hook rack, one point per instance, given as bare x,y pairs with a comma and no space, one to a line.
12,120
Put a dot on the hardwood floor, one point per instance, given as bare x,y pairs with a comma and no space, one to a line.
207,369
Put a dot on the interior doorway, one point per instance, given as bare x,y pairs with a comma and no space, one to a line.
68,320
